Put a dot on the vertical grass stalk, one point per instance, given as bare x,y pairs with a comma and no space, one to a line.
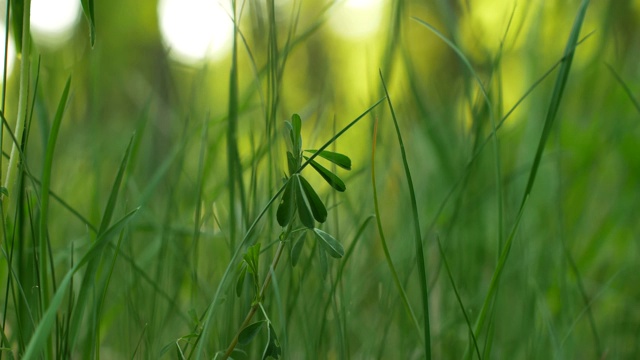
422,268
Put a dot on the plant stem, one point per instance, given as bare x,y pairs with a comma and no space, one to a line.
255,306
23,97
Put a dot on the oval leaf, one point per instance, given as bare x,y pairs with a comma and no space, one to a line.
317,207
297,126
328,176
340,160
304,209
286,207
247,334
331,245
292,164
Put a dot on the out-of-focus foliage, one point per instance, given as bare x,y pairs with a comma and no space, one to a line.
569,289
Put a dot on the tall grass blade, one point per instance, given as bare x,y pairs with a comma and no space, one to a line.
422,268
89,13
43,330
383,240
552,111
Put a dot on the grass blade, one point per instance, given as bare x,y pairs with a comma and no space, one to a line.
422,269
549,120
87,7
385,248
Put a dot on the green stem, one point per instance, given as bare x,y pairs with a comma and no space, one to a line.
23,96
254,307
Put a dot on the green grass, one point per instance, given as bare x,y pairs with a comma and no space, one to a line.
490,210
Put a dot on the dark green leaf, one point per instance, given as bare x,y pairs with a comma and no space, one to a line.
331,245
296,250
240,281
17,15
328,176
252,258
297,126
248,333
292,163
317,207
287,205
304,208
289,133
273,346
340,160
4,191
87,7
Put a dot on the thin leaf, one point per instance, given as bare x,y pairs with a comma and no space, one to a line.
422,268
87,7
292,164
317,207
330,244
240,281
286,207
297,126
331,178
304,208
340,160
17,16
248,333
296,250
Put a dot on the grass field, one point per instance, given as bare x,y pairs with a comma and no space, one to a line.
155,208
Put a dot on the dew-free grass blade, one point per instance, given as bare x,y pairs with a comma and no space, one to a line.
248,333
296,250
240,281
287,205
340,160
87,7
328,176
330,244
317,207
302,203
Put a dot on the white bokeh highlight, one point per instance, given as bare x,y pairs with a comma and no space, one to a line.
53,22
195,30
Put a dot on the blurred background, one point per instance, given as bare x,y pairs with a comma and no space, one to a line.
208,156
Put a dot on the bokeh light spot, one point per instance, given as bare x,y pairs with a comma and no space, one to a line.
195,30
11,52
53,22
356,19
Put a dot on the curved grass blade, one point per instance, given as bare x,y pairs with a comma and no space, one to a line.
329,244
296,250
331,178
317,207
422,268
385,248
46,182
302,204
554,105
87,8
47,322
340,160
287,205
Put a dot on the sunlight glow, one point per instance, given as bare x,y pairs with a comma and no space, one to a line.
356,19
12,52
52,22
195,30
